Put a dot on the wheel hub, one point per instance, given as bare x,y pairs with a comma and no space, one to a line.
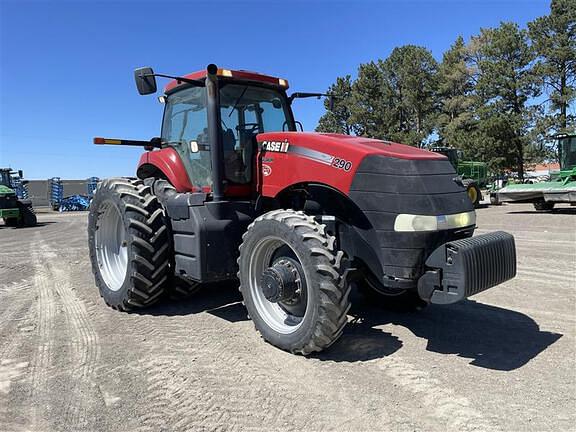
281,282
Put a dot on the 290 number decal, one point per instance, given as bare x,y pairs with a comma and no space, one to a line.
342,164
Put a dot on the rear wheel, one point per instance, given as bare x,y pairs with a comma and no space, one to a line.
178,288
292,281
543,205
27,216
129,244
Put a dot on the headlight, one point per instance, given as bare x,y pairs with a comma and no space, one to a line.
408,222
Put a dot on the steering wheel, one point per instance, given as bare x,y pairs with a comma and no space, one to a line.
248,127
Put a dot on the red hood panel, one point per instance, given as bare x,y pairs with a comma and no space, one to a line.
290,158
360,146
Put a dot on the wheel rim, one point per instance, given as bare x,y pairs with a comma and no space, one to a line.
282,317
111,246
472,194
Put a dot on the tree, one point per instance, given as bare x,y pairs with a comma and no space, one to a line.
456,122
337,119
395,98
505,83
554,39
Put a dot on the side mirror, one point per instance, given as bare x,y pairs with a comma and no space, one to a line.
145,80
20,174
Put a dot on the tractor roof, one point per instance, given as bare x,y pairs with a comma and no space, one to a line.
240,75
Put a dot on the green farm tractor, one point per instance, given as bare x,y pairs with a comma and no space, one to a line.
560,189
16,212
474,175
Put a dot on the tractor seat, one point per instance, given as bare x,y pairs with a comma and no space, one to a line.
234,168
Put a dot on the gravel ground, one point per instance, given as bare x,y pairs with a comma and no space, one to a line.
504,360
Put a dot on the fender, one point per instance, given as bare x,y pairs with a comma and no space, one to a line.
168,162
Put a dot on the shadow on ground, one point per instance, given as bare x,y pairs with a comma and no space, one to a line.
38,225
492,337
561,210
220,299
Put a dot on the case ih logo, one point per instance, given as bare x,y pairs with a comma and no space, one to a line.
276,146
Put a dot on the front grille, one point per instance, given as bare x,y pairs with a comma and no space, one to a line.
384,187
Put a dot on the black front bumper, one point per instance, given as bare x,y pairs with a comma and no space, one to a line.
461,268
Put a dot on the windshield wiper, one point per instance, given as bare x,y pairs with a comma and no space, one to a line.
238,101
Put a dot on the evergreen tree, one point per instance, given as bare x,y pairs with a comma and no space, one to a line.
395,99
505,83
456,122
554,39
337,118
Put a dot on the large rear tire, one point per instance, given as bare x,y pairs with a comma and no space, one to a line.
129,244
178,288
292,282
27,215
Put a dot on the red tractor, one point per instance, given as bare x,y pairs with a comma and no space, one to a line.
231,189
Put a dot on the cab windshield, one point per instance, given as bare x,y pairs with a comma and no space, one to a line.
5,179
567,148
245,111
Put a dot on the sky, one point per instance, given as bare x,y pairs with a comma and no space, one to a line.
66,68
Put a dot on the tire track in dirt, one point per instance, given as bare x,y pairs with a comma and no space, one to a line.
70,327
15,305
443,404
43,359
85,344
10,288
205,383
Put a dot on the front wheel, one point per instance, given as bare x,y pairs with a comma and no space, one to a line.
543,205
473,192
292,281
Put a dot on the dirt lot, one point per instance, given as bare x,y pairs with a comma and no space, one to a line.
502,361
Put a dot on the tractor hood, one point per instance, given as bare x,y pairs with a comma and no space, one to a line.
294,157
347,145
5,191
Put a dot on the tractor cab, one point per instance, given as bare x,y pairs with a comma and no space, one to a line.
5,178
453,155
247,104
211,120
567,152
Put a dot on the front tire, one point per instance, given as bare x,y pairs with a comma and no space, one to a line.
473,192
543,205
129,244
292,282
